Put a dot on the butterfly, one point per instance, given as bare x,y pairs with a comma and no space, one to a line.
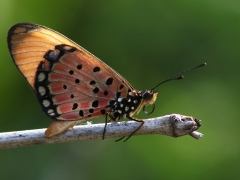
71,84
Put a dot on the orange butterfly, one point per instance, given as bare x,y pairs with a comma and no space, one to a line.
71,84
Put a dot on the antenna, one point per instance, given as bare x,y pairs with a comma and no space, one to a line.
180,77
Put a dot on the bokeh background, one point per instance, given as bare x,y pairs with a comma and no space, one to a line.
146,42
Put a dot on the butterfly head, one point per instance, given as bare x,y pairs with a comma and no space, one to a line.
148,98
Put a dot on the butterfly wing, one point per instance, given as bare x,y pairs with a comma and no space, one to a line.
72,87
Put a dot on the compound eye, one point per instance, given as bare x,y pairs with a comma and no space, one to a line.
147,95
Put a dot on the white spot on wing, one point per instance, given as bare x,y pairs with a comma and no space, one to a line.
46,103
51,112
41,77
54,55
41,90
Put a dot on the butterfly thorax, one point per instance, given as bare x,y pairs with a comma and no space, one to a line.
133,103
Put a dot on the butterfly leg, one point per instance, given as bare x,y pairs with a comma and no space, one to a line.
120,139
137,120
104,130
106,121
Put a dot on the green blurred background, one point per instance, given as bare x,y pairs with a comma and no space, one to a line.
146,42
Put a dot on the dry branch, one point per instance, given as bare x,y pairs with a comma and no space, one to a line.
173,125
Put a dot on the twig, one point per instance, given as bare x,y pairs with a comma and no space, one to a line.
174,125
